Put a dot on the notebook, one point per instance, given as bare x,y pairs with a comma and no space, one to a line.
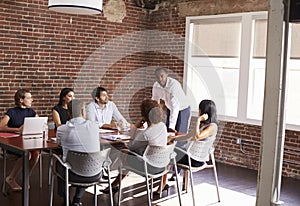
33,127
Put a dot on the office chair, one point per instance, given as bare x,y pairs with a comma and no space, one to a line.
159,157
200,151
83,164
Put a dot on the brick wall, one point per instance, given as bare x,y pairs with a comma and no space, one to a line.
247,154
45,51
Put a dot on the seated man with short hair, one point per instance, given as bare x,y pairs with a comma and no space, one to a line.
79,135
102,110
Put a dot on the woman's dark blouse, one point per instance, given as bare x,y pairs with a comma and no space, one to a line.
63,114
17,116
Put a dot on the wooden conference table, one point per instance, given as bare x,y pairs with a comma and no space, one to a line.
20,146
16,144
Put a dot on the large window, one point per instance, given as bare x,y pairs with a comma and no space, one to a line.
225,61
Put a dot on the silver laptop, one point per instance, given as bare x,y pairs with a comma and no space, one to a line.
33,127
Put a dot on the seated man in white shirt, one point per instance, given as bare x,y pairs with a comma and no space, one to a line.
102,110
79,135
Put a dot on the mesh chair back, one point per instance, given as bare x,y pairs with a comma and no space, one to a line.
158,156
87,164
200,150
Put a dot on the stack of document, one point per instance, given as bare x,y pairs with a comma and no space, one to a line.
116,137
106,131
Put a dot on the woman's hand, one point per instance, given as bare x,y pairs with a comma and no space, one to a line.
140,124
171,139
172,130
203,117
20,129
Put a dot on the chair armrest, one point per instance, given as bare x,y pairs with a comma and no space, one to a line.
66,165
127,151
181,150
211,150
173,155
107,163
173,158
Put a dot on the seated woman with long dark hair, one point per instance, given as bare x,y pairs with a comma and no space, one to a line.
206,129
60,112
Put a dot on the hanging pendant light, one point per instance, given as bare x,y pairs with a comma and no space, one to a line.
87,7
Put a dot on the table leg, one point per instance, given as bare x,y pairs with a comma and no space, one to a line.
25,195
50,167
4,172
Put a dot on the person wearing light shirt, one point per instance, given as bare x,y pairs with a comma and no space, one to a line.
155,135
168,91
78,135
102,110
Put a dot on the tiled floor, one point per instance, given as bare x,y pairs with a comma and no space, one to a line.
237,187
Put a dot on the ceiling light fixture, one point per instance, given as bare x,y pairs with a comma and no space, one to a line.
86,7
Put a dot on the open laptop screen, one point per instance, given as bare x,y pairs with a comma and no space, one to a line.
34,126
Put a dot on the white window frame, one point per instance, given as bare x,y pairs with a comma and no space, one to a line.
245,53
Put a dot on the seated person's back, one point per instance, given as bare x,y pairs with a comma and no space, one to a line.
79,135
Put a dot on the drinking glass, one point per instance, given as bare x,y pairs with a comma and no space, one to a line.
120,126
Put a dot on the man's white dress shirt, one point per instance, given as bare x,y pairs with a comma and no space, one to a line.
174,97
79,135
105,115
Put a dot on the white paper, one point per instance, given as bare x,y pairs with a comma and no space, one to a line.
105,131
115,137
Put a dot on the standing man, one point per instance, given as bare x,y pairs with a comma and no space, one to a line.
168,91
102,110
